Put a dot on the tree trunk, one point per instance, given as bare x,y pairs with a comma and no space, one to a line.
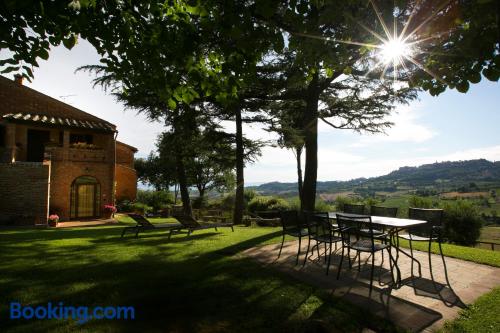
176,192
181,172
240,181
298,155
201,192
311,146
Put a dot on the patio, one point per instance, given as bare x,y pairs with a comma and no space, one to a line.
415,306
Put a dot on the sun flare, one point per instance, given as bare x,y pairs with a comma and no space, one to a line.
394,50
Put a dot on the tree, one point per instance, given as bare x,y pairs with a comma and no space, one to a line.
161,56
157,171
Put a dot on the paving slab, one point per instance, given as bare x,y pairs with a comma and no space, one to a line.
421,303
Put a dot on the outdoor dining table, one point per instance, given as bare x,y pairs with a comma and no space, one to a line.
393,225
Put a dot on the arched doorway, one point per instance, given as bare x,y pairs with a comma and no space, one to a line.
85,197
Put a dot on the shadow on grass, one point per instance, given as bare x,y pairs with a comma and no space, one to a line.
189,284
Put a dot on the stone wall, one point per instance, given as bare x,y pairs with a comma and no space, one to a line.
24,192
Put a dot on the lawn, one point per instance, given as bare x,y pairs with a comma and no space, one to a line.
187,284
197,283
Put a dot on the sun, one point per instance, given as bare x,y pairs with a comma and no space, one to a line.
394,50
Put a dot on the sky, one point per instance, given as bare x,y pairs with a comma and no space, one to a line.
450,127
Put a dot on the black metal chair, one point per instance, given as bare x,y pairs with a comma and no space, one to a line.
432,231
321,230
360,241
383,211
292,226
380,233
358,209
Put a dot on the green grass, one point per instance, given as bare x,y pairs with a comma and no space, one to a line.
188,284
480,256
482,316
490,234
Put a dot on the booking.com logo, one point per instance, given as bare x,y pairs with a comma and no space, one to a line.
81,314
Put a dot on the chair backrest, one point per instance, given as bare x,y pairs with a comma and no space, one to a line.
383,211
140,220
434,218
186,220
354,209
318,224
355,228
290,219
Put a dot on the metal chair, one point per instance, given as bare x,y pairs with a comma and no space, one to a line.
428,232
383,211
292,226
321,230
354,238
381,234
358,209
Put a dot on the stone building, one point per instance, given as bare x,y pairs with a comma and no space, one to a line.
57,159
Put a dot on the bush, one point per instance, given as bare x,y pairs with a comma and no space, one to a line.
264,203
322,206
420,202
155,199
340,201
462,222
124,206
140,208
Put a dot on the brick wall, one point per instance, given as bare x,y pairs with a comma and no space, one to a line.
24,192
124,155
126,182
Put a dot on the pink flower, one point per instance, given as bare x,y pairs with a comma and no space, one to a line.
110,208
53,217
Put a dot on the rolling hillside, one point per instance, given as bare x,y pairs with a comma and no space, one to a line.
438,177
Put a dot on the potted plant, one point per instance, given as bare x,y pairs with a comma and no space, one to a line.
53,220
109,210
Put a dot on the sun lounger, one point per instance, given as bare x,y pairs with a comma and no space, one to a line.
191,224
143,224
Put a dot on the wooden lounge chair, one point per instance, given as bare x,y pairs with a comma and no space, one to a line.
191,224
144,224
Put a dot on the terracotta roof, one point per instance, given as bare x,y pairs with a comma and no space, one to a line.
128,146
20,103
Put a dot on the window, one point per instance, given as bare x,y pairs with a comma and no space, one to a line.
76,138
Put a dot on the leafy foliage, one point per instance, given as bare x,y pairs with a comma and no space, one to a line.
264,203
420,202
462,222
155,199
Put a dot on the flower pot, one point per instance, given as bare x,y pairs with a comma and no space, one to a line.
107,214
53,223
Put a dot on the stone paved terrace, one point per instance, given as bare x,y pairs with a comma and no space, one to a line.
415,306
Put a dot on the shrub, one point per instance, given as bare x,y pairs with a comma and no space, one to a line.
294,203
462,222
420,202
249,195
264,203
371,201
140,208
340,201
155,199
124,206
322,206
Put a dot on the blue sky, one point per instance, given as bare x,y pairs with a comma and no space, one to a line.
452,126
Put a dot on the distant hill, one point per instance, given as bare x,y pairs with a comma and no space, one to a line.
438,177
